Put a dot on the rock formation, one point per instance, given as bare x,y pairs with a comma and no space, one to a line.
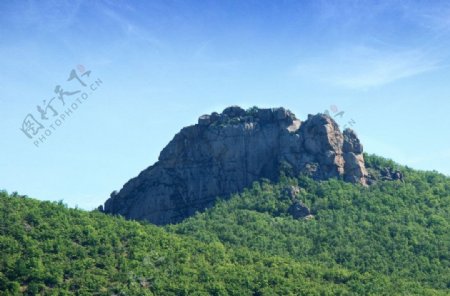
224,153
389,174
298,209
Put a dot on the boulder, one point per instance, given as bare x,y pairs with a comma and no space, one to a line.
298,210
389,174
204,120
291,192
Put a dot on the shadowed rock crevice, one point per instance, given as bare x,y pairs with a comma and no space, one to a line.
225,153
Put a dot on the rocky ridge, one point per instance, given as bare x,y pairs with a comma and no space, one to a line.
224,153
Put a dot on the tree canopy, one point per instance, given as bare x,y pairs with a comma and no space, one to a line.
390,238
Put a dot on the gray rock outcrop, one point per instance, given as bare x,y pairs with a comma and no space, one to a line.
389,174
298,210
224,153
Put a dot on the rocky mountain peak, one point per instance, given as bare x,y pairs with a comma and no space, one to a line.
235,115
226,152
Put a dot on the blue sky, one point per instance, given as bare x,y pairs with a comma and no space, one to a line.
164,63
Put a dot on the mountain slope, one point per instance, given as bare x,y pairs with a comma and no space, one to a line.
391,238
398,229
48,249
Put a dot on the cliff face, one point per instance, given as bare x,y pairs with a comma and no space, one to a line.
224,153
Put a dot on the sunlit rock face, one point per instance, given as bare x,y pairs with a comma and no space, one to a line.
225,153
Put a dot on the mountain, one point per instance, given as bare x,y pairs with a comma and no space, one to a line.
389,238
49,249
225,153
303,211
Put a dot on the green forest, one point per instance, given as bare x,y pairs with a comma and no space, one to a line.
390,238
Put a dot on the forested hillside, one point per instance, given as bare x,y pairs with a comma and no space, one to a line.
398,229
391,238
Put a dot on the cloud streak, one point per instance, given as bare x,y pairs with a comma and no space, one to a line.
369,45
362,67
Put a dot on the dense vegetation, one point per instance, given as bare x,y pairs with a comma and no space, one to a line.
391,238
51,250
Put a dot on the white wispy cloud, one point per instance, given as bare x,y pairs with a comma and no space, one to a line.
48,15
362,67
431,17
130,29
368,48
